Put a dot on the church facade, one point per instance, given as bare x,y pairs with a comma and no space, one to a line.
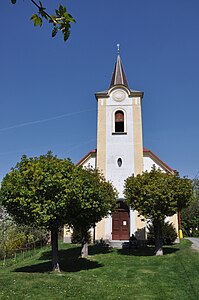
120,153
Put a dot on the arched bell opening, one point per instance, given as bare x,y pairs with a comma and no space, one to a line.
119,121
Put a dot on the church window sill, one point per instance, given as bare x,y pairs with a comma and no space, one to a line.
119,133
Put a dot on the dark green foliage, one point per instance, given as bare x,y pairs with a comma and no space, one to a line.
48,192
195,233
61,21
190,215
36,192
155,195
77,237
169,234
93,198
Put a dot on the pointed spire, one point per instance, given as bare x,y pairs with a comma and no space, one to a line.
118,77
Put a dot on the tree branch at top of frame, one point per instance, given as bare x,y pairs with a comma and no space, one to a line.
61,20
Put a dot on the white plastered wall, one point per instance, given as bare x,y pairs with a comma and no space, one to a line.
119,145
149,163
90,162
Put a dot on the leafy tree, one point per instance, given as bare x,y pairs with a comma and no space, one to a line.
48,192
156,195
61,20
190,218
94,198
190,215
37,192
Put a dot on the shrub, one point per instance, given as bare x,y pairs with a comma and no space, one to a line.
14,236
168,233
195,233
16,240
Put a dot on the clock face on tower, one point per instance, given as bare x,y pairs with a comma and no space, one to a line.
119,95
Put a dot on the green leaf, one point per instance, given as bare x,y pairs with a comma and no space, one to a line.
68,18
36,19
43,14
54,31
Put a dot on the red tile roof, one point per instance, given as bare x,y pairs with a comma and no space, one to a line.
86,156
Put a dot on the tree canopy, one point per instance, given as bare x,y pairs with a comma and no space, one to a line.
190,215
49,192
61,20
156,195
94,198
36,192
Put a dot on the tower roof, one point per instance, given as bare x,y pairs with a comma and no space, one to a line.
118,77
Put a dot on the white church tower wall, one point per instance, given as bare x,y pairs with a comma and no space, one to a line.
119,147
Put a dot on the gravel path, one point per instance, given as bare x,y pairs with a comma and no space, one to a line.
195,242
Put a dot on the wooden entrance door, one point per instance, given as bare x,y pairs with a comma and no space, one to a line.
120,225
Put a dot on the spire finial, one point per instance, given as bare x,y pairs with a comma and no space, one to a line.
118,49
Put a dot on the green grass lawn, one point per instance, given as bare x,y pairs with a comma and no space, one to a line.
106,274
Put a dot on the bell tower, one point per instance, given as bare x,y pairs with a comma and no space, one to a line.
120,154
119,129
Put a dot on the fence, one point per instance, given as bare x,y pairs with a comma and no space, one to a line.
15,255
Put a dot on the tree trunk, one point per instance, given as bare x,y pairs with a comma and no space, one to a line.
158,237
54,244
84,250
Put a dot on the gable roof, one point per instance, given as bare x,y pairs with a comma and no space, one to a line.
146,153
155,158
91,153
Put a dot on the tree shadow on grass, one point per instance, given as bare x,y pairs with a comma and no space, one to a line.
69,262
97,249
146,251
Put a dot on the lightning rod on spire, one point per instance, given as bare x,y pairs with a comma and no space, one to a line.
118,49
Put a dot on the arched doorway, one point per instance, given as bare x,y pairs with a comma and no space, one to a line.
120,222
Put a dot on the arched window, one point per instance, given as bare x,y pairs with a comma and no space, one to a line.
119,121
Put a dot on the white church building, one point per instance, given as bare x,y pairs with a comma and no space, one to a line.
120,154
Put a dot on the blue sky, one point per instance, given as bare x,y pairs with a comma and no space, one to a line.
47,86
